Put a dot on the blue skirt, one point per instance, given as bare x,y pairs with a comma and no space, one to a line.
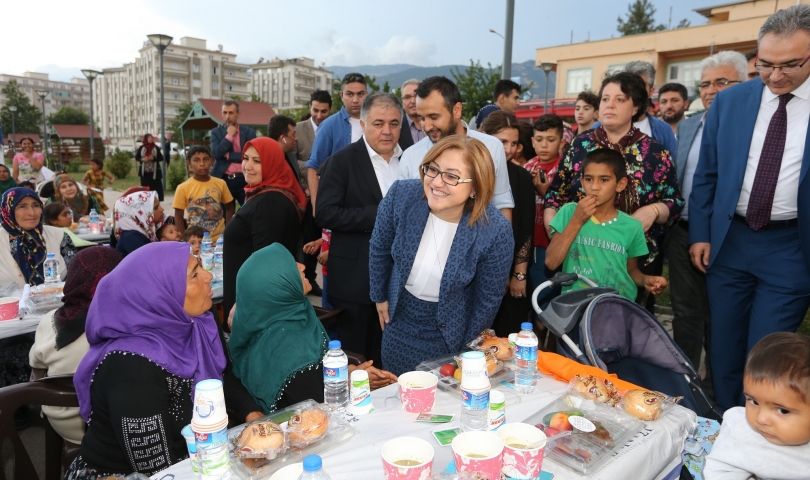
412,336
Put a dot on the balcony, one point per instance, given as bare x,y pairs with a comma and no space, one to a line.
176,88
305,87
303,74
302,100
181,69
235,79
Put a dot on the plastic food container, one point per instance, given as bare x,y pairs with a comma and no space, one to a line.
502,373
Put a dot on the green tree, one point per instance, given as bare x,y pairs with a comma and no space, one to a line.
27,119
69,116
174,127
640,19
683,23
476,85
254,98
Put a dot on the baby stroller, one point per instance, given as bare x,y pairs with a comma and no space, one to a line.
621,337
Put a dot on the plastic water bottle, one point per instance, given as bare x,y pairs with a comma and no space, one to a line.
336,377
526,359
218,258
207,252
51,269
94,225
313,469
474,409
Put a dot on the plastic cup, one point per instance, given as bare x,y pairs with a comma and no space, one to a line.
417,391
360,395
192,446
209,428
474,371
9,308
478,452
522,463
407,458
209,404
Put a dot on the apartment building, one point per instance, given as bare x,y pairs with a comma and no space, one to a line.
676,54
75,93
127,98
287,84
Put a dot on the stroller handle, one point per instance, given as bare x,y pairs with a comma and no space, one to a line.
559,279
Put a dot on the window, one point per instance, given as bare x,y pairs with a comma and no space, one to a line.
215,85
175,65
686,73
175,81
215,70
175,96
210,57
230,87
615,68
230,73
578,79
195,68
196,83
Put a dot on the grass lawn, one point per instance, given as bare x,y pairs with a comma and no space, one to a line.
664,300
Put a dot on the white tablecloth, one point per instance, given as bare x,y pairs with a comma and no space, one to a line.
10,328
95,237
651,454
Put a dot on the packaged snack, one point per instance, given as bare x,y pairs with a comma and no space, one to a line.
598,389
307,426
487,341
493,364
260,440
647,405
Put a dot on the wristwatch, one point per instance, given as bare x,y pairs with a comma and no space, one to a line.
519,275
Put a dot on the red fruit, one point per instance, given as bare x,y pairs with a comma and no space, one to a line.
447,370
551,431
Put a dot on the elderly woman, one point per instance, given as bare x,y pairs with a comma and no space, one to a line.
60,342
440,255
147,351
28,163
149,160
271,294
652,196
137,216
66,191
274,206
6,182
515,306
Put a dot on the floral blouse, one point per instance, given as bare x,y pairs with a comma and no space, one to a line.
648,162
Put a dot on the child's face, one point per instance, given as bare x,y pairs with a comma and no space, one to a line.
170,233
196,244
584,113
94,166
777,413
599,181
65,219
547,144
200,163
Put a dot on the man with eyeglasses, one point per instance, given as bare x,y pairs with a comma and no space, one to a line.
690,304
749,210
411,126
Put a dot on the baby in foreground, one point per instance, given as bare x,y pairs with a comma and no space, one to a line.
770,437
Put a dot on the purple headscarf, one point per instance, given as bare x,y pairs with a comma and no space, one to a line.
138,308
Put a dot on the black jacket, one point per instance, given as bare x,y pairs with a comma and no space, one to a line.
405,138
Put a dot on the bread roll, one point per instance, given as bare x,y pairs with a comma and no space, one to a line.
307,426
643,404
260,440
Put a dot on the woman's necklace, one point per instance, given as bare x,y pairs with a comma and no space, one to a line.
436,243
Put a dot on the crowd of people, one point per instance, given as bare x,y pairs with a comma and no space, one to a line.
428,230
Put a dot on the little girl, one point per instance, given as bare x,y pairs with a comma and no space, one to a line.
59,215
94,179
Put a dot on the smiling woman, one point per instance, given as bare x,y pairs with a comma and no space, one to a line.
67,191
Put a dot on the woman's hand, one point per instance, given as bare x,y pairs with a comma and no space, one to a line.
376,378
517,288
647,216
253,416
382,312
230,317
147,158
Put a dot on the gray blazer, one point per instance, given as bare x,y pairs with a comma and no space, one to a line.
687,129
306,137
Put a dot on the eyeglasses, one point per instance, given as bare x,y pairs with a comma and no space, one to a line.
448,178
723,82
407,98
786,69
29,206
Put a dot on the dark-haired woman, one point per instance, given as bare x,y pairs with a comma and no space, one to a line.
28,163
149,160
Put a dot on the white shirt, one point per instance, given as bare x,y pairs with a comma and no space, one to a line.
425,279
357,130
787,186
691,165
314,125
386,171
740,452
413,156
644,125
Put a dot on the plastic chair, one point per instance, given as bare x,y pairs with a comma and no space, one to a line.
53,391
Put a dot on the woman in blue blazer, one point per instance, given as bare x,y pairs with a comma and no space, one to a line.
440,256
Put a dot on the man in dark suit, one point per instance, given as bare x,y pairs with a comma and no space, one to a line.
226,146
354,181
749,211
690,302
411,125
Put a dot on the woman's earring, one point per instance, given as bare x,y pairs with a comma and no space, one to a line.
472,196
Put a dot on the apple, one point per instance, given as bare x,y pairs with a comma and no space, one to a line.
447,370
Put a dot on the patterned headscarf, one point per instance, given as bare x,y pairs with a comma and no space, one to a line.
27,246
80,204
136,211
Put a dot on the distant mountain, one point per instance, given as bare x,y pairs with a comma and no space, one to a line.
395,75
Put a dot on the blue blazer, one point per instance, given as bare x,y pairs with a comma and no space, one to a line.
222,148
727,133
687,129
477,269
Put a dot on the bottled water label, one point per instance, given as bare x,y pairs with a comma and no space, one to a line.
336,374
525,354
218,257
50,273
207,262
475,400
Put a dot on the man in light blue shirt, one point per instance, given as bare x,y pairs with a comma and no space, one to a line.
438,104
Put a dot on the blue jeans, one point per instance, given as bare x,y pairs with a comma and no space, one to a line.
538,273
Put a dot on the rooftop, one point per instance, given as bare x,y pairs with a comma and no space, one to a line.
73,131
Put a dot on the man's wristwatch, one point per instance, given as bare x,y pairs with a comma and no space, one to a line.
519,275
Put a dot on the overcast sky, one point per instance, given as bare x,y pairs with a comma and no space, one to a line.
61,38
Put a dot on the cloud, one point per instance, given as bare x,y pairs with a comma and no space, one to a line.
406,50
345,50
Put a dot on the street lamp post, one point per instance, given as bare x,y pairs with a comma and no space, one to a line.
160,42
42,94
506,72
91,75
547,68
13,110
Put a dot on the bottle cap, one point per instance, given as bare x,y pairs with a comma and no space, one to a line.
526,326
207,234
51,255
496,396
334,344
312,463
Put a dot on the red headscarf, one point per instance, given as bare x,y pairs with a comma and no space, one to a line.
150,147
276,174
